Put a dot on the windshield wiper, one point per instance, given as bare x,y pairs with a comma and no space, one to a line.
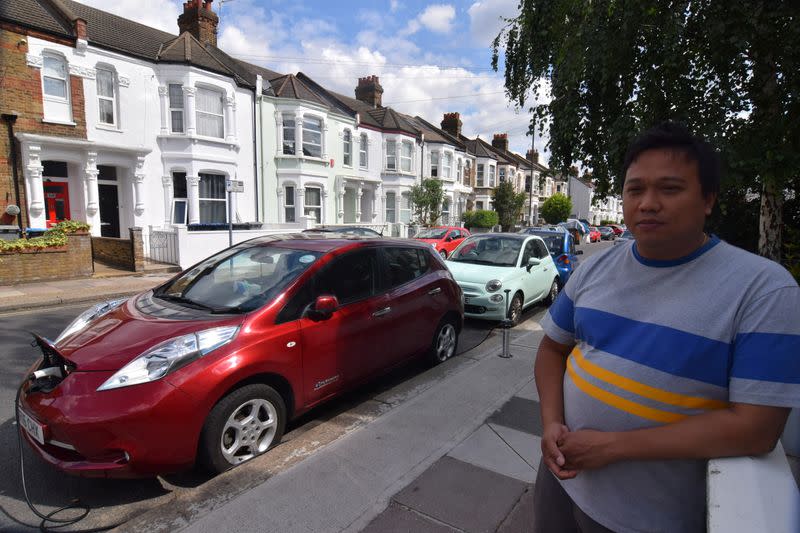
186,301
230,309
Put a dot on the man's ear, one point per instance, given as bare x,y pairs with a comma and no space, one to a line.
709,200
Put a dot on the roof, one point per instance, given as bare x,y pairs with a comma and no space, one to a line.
37,14
479,148
437,135
384,118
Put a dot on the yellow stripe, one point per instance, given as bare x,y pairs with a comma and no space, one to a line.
646,391
619,402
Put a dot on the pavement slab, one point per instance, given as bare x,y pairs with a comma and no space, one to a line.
399,519
485,448
520,520
528,447
521,414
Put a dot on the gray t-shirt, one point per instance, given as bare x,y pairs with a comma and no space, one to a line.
657,341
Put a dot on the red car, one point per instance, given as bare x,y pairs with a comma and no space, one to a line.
444,239
211,365
617,229
594,234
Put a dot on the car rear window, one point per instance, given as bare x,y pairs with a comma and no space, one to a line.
554,242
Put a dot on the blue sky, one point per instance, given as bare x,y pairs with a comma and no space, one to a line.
431,57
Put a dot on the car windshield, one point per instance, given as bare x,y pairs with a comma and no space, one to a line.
627,234
238,279
554,242
488,250
432,233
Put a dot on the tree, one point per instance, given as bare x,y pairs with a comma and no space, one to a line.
556,208
508,204
426,201
615,68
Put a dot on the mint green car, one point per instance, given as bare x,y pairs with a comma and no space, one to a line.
489,265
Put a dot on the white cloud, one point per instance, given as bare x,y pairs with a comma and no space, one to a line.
486,18
161,14
394,5
437,18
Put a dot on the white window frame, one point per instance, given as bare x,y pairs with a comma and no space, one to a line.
467,171
179,199
363,154
447,165
391,155
309,209
288,124
201,113
201,199
289,202
501,174
479,175
391,207
459,169
434,163
446,211
176,110
103,98
347,148
491,175
65,80
407,160
308,134
404,209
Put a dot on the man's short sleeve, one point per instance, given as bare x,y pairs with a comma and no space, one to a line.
765,367
559,321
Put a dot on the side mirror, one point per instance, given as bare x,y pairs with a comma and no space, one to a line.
324,306
532,262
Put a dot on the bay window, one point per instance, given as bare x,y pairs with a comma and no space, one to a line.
491,175
179,198
313,205
176,107
391,212
213,201
434,164
406,153
288,133
209,113
447,163
391,155
312,137
289,203
405,208
479,179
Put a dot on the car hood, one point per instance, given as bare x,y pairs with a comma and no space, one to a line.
113,340
472,273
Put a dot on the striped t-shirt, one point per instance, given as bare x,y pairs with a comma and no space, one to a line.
657,341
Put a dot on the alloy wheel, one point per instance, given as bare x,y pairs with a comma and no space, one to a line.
249,431
446,342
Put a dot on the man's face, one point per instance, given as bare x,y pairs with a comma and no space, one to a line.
663,204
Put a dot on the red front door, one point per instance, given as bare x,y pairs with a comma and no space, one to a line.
56,202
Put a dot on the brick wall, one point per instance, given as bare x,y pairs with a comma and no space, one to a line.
123,253
21,92
72,261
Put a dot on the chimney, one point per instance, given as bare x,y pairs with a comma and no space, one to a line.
532,155
369,91
451,123
199,20
500,141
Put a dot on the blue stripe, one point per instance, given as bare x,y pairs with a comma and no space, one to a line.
713,240
562,312
767,357
663,348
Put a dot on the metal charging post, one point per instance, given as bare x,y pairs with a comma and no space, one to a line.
506,325
232,186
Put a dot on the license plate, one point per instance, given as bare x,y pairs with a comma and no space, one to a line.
34,428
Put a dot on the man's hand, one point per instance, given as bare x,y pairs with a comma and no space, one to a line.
554,433
586,449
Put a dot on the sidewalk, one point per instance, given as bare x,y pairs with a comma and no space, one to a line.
459,457
107,283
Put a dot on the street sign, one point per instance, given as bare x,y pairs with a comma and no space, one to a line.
234,185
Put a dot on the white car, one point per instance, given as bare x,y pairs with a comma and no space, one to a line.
499,271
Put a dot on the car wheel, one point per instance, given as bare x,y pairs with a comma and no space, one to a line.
444,343
243,425
515,309
443,253
553,294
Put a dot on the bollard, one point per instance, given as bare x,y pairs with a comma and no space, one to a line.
506,325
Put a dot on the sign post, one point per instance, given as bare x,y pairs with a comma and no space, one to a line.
232,186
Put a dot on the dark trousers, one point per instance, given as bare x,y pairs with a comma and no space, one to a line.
554,511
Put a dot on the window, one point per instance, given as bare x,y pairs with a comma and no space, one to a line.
479,205
447,163
210,122
313,205
467,172
312,137
479,181
107,95
434,164
406,151
391,199
179,204
348,148
289,203
391,156
491,175
459,170
446,211
403,264
405,208
176,107
213,204
502,174
362,151
54,77
351,277
288,133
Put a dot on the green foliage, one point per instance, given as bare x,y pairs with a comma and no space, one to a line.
482,218
615,68
508,204
556,208
426,201
52,238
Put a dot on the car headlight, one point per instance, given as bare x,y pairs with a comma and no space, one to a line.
169,356
87,316
494,285
433,244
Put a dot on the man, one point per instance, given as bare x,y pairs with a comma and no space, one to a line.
659,354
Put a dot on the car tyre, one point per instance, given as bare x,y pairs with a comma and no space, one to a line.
515,310
443,253
553,294
243,425
444,343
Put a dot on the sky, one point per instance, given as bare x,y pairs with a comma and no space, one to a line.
431,57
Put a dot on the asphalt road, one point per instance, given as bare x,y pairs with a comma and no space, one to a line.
120,499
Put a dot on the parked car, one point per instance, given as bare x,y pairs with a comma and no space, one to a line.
606,233
626,236
594,234
617,229
346,230
211,365
487,265
444,239
561,245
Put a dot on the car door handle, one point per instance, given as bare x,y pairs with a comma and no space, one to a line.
381,312
437,290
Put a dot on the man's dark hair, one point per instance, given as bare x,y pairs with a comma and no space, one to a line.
675,136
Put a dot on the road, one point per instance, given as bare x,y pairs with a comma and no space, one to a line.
115,500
